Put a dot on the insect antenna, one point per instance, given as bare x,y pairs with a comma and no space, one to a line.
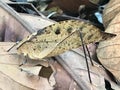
13,46
85,57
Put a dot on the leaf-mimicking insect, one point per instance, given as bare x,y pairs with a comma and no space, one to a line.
60,37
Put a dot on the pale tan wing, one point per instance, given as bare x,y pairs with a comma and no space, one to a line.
49,50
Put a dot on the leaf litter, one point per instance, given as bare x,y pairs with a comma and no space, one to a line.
56,33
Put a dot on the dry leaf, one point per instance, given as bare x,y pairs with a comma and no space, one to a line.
59,37
110,11
6,83
108,51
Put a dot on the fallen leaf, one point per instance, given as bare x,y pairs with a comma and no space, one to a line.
11,84
108,51
110,11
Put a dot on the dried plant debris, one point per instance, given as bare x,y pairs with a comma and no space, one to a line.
57,38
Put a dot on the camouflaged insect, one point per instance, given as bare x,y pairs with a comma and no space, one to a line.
60,37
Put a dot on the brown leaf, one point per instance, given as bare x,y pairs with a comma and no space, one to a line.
110,11
6,83
108,51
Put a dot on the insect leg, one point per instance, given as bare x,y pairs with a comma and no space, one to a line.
89,55
85,57
23,62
